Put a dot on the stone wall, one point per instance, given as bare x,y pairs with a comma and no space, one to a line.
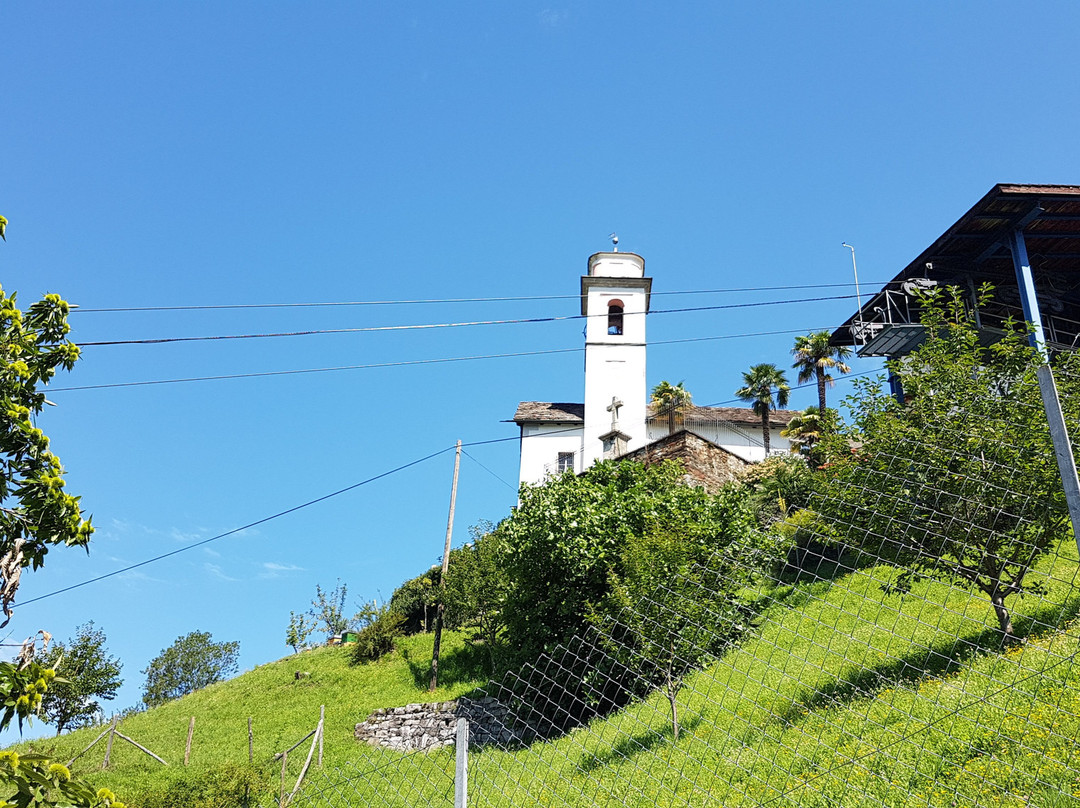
707,465
420,727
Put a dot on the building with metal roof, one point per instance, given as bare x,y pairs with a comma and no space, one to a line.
1022,239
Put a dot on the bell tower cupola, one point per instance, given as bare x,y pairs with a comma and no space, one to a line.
615,297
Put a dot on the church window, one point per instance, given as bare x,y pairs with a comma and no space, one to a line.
565,462
614,317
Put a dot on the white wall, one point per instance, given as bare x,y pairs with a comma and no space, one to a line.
614,363
540,447
741,440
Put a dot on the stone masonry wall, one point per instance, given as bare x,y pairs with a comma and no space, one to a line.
420,727
707,465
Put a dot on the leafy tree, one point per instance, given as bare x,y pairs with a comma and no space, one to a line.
328,609
960,482
86,674
563,542
191,663
35,514
35,511
815,357
300,628
670,398
766,388
476,586
676,602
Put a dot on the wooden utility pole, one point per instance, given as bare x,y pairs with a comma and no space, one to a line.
442,578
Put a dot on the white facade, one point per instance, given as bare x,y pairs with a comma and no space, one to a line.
542,446
742,440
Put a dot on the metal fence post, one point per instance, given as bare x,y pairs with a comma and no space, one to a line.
461,771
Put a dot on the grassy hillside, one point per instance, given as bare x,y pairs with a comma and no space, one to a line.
844,695
284,709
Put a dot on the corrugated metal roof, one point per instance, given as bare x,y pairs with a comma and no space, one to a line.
974,250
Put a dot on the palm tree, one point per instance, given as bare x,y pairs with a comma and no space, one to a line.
766,388
670,398
804,430
815,357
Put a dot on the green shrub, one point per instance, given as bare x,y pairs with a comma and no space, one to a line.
227,785
565,541
383,626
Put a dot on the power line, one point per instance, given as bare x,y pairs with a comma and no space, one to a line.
489,471
323,498
408,362
427,326
508,299
236,530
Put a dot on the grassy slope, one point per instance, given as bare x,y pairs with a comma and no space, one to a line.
284,710
796,715
846,696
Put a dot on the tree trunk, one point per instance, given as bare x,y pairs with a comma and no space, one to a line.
765,431
1004,618
672,694
821,391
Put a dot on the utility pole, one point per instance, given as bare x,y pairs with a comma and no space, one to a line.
442,578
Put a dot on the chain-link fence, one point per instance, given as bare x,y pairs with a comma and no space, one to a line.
908,637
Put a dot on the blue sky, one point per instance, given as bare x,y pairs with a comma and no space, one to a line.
240,153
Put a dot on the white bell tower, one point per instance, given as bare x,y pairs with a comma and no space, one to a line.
615,296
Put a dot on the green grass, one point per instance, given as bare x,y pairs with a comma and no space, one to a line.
842,696
283,710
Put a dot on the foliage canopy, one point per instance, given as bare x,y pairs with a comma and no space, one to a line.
960,481
191,663
86,673
564,542
35,511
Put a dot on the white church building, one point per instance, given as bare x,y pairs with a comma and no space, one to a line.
616,419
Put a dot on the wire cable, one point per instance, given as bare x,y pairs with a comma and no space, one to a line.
317,500
425,326
508,299
408,362
489,471
235,530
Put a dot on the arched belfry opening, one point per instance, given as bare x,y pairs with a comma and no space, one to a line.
615,317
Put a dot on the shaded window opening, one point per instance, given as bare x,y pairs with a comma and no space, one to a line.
565,462
614,317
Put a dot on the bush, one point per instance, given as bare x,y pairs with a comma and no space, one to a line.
227,785
383,626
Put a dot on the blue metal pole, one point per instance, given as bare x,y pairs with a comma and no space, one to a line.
1051,403
1026,283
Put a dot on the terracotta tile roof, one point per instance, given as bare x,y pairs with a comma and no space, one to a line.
549,412
565,413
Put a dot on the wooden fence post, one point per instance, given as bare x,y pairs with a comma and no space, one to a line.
190,732
108,745
281,793
322,729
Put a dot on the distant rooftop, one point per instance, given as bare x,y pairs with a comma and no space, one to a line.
532,412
